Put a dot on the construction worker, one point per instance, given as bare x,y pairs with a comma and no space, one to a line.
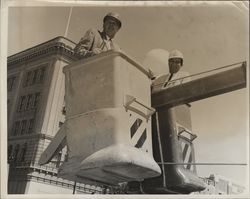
175,63
95,41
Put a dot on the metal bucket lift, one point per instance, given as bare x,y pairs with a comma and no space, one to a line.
108,121
172,132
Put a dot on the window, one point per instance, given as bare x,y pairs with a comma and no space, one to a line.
28,78
42,74
23,152
10,83
16,151
29,102
21,103
58,159
23,126
35,74
10,148
16,128
8,106
36,100
30,126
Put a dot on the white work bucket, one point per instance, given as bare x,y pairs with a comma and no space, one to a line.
108,120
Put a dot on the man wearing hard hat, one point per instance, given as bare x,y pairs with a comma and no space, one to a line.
175,76
95,41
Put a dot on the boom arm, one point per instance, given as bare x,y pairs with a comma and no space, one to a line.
202,88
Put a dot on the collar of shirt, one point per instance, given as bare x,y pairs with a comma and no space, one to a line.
104,36
108,38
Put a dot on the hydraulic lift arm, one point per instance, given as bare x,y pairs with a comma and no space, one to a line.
202,88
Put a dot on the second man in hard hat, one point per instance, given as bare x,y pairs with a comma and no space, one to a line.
175,75
95,41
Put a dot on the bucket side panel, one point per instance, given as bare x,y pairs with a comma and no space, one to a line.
96,130
91,86
138,86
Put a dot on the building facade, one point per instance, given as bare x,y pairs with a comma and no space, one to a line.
220,185
35,112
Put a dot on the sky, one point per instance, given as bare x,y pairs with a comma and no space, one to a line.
209,35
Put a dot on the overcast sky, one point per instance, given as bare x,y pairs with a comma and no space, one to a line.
209,36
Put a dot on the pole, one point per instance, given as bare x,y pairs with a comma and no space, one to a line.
74,188
67,26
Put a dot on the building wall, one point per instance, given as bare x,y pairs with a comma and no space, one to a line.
35,113
28,104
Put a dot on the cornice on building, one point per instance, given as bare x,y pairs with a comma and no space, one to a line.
58,46
30,136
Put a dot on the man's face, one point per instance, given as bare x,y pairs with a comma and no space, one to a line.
110,27
174,65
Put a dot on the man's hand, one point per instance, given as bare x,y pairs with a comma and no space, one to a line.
96,51
151,74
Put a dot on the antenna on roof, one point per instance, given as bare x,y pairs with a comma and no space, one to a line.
67,27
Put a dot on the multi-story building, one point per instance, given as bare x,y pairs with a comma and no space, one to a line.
35,113
217,184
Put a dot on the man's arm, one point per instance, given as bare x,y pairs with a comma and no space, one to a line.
157,82
84,47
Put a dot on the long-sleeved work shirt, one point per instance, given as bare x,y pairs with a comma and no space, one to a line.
94,39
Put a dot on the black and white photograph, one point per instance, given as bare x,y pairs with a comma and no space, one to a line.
124,98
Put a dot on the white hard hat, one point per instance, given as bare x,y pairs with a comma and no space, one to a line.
175,54
114,16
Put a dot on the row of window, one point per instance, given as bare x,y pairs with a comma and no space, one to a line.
31,77
28,102
17,153
34,76
10,83
23,127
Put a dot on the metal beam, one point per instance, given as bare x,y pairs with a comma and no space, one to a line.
58,142
202,88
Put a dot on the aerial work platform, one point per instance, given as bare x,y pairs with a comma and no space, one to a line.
108,120
108,124
173,150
